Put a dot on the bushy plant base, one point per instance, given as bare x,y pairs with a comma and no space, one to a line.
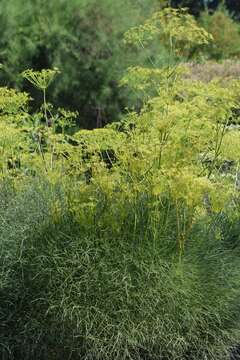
122,243
71,293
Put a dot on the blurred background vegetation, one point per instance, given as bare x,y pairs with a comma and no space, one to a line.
83,38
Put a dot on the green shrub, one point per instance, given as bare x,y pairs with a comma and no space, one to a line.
83,38
90,293
226,34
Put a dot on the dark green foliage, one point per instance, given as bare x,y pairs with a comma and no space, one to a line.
226,34
83,38
196,6
68,291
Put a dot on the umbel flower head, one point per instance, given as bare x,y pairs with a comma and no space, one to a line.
175,27
40,79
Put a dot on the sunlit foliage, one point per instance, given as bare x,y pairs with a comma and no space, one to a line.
123,242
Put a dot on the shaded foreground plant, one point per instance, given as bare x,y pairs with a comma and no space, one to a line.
83,293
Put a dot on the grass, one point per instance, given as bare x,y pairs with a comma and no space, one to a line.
72,292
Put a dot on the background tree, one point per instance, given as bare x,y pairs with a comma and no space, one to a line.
196,6
83,38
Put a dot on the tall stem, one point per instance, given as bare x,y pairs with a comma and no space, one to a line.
45,106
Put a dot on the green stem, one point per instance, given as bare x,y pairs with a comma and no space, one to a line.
45,106
42,156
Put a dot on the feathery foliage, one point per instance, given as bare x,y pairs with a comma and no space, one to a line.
123,242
